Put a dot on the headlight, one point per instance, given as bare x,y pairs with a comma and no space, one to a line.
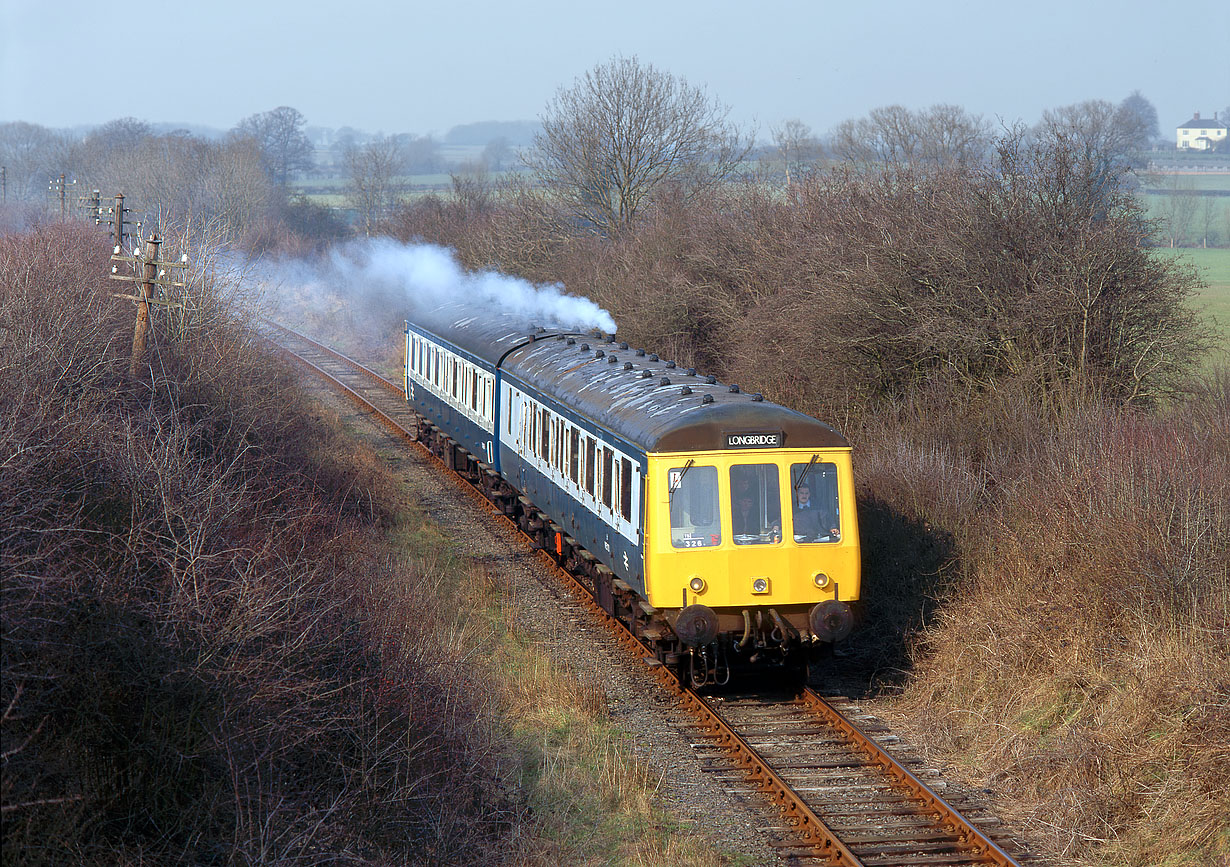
760,585
697,584
821,580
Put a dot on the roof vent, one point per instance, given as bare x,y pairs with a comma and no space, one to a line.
666,380
708,398
559,337
572,341
627,365
540,330
640,353
670,365
758,397
611,359
653,358
610,338
623,345
685,390
734,389
712,380
691,371
645,374
585,347
599,354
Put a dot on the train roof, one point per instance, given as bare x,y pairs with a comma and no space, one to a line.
646,401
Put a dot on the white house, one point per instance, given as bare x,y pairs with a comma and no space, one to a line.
1201,135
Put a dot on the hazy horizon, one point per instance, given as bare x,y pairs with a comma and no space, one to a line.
423,69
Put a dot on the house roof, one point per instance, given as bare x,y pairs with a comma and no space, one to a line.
1202,123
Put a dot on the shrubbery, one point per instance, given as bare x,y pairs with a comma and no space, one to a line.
204,659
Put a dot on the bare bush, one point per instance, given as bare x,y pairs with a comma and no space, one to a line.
203,658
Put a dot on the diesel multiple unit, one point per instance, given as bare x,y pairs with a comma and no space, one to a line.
721,527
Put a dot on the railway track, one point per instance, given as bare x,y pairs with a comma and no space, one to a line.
839,794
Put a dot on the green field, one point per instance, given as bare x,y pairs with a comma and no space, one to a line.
1186,180
1214,267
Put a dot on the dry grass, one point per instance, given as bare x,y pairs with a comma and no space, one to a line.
1079,658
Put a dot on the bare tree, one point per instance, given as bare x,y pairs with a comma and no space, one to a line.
625,132
496,153
32,155
420,153
1139,116
940,135
280,137
374,188
797,147
1102,130
1177,208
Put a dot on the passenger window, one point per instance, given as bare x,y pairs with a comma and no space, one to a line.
589,465
755,504
608,459
625,488
574,455
694,509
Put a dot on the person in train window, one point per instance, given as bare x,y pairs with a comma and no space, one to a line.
812,520
747,521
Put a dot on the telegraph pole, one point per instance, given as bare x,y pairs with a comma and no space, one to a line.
92,205
150,273
59,188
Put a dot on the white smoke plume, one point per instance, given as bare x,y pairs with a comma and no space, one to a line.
421,278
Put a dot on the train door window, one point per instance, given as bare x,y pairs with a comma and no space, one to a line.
574,456
474,390
625,488
559,445
755,504
608,459
544,431
589,465
694,508
816,512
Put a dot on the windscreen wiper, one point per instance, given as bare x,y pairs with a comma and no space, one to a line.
799,481
679,481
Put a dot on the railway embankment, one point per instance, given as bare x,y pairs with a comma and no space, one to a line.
227,635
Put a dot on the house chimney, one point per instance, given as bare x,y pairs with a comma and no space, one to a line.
1197,117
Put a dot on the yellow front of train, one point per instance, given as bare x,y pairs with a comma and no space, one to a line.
748,542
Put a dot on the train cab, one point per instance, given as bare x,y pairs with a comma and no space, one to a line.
768,532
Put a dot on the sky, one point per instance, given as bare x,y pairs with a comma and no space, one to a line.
422,68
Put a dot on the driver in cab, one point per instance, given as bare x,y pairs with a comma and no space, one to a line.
811,521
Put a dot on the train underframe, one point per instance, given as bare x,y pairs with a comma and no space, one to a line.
760,638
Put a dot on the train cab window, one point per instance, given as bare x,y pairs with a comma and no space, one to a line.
755,504
815,509
694,508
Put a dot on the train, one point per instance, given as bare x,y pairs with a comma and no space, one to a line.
721,528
